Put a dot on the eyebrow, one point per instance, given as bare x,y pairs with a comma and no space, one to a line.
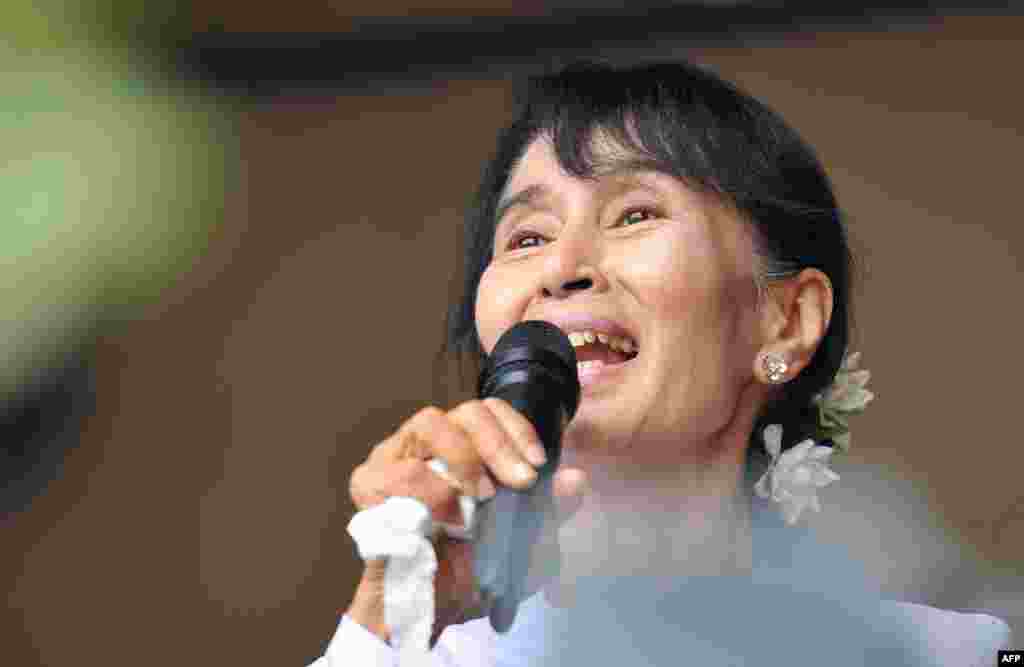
525,196
615,169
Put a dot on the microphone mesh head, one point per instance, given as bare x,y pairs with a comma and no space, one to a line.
537,334
541,343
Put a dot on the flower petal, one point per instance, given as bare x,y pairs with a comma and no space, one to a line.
854,400
780,493
859,378
823,477
829,418
761,488
820,453
773,439
791,510
795,454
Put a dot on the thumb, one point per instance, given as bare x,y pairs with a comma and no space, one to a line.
570,487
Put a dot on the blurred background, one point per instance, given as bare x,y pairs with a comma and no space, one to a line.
230,234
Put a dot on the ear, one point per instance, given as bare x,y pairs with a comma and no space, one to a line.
795,319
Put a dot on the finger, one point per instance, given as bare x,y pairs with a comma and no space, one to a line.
400,445
494,445
411,478
519,428
434,434
570,488
569,482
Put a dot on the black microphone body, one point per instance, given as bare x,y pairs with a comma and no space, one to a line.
533,368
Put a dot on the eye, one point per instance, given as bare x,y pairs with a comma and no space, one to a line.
517,240
639,214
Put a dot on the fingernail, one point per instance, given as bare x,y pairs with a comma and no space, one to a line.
535,454
485,488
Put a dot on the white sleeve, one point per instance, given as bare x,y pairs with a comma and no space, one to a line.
958,639
458,646
991,635
353,644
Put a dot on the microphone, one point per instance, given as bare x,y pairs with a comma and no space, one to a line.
533,367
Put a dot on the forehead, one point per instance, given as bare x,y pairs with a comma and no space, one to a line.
606,155
604,168
537,160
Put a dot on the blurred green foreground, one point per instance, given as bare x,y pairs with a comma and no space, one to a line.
112,175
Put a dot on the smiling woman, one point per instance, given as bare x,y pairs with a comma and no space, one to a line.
688,243
665,185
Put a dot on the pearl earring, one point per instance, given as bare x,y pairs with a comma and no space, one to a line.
775,367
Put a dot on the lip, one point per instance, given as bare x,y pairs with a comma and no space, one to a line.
581,321
590,380
568,322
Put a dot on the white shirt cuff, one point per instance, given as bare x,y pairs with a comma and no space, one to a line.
353,644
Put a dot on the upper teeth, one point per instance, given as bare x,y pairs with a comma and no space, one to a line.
618,343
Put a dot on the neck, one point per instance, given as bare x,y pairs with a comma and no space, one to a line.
693,522
685,515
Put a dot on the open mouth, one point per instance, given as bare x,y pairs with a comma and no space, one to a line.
595,349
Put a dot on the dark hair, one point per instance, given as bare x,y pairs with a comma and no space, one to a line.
692,124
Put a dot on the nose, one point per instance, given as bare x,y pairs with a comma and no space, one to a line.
572,267
572,286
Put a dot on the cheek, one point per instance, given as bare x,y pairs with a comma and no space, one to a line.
678,271
498,303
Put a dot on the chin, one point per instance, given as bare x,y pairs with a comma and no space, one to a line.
588,436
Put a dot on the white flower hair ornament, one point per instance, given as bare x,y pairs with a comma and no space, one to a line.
794,476
844,397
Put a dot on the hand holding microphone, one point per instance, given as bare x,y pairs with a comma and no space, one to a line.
533,367
486,443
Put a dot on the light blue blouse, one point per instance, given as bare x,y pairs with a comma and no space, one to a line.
806,603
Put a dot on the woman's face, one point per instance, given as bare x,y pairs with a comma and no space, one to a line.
666,265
